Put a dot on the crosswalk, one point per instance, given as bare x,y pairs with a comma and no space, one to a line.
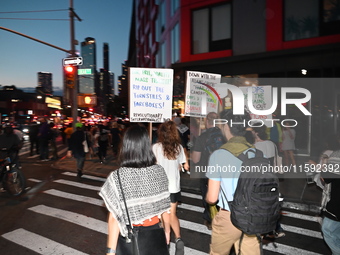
67,228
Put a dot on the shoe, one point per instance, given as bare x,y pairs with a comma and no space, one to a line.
280,234
208,224
179,247
80,173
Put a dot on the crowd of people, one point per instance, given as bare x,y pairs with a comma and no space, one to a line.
176,144
150,171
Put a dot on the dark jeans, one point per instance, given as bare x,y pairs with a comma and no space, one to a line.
43,142
102,150
204,190
80,162
34,142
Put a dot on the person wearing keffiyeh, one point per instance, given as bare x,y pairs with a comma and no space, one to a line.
145,187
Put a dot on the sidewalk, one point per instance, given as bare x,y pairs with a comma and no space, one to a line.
298,194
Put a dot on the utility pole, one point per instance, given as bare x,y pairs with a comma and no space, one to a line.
73,54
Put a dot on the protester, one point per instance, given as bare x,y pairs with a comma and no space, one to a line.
115,138
54,133
103,142
288,145
270,151
9,141
44,137
68,132
170,155
76,148
33,137
145,187
331,211
224,234
209,141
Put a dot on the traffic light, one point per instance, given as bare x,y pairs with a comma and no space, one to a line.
70,76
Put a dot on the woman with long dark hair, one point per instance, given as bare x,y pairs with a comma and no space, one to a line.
170,154
145,188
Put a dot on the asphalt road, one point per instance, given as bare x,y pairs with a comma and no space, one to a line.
60,214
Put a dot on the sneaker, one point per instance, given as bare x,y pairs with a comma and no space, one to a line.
179,247
280,234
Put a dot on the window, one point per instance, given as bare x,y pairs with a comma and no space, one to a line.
174,6
175,44
162,14
301,19
311,18
211,29
330,22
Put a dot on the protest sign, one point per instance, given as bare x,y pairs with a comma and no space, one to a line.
201,97
261,100
150,91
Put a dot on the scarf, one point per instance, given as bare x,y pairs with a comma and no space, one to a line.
236,145
146,194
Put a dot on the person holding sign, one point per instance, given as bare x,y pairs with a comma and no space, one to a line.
170,155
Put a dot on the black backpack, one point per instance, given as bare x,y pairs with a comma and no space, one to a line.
255,209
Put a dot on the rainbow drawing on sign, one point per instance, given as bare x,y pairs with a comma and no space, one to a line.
210,94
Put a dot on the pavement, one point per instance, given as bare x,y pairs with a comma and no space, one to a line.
298,193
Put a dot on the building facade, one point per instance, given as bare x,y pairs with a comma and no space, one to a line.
45,82
250,39
87,78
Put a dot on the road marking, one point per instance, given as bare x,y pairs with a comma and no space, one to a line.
39,244
90,223
79,198
78,185
95,178
198,227
285,249
300,216
186,194
76,218
302,231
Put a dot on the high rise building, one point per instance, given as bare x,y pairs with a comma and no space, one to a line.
45,82
87,71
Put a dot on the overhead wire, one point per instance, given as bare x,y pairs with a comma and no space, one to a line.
37,11
34,11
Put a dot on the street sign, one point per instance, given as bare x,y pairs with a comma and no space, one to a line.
76,61
84,71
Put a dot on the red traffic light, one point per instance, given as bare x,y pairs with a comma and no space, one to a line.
69,69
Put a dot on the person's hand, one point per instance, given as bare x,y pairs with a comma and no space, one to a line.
69,154
186,166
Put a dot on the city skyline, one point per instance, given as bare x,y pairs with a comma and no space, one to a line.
22,58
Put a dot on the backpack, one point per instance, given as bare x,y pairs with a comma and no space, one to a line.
255,209
214,140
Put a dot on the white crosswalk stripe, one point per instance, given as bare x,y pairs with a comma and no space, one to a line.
40,244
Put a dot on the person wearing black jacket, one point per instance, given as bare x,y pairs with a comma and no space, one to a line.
331,213
76,147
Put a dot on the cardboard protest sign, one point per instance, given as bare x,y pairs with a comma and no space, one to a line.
201,97
261,100
150,92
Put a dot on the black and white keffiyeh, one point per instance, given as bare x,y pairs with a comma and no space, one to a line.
146,193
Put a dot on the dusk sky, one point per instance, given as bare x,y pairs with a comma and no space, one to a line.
21,58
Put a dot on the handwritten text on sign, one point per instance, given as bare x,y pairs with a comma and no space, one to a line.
262,100
150,94
200,99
